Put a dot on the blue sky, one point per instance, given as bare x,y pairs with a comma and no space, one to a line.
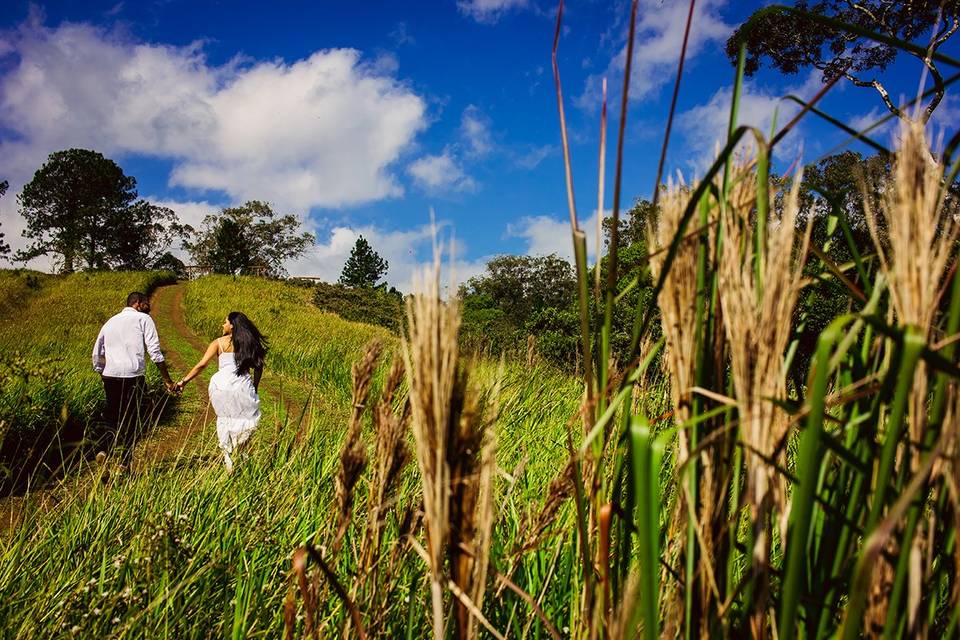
362,117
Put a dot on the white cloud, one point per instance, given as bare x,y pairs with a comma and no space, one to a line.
656,51
532,158
441,173
476,132
489,11
703,128
546,234
322,131
406,251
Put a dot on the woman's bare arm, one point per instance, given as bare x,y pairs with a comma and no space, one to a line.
204,361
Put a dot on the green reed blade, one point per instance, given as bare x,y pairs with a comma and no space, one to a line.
808,471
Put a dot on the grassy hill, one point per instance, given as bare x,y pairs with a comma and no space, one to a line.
182,550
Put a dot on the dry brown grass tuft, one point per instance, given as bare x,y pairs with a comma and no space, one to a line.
915,234
353,455
758,294
455,452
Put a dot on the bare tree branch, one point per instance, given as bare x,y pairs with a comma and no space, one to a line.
884,94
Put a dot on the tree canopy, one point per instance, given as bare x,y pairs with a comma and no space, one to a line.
4,247
81,208
249,239
364,267
792,42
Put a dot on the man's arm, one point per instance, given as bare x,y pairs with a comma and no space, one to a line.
152,342
99,354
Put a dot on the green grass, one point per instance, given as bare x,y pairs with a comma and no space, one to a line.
185,551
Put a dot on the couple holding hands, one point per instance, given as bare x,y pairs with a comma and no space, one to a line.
119,357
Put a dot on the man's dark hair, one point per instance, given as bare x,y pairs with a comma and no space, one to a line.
136,297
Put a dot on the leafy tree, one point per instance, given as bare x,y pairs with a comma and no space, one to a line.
247,239
793,42
142,241
523,285
74,205
364,267
518,296
633,224
4,247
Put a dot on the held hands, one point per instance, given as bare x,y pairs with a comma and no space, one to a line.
175,388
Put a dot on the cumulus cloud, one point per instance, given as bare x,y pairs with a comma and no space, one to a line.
489,11
545,234
659,37
441,173
323,131
703,128
407,251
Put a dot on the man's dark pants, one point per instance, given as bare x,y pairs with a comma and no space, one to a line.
125,414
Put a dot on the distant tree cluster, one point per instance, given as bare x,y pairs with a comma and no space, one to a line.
82,209
84,212
249,239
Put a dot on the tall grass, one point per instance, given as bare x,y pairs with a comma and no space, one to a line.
728,504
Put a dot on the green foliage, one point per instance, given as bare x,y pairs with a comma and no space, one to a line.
82,208
792,42
361,304
4,247
364,267
248,239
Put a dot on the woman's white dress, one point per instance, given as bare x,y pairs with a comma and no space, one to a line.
237,405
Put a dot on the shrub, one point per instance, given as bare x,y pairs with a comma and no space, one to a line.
377,306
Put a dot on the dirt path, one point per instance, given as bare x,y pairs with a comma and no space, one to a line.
194,411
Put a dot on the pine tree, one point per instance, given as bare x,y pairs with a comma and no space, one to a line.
364,267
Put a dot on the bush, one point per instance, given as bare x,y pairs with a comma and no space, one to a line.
362,304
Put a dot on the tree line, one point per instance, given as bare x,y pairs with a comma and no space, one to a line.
83,212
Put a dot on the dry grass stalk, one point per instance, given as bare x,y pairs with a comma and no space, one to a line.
392,454
757,317
353,454
915,256
455,452
920,237
431,355
472,460
677,302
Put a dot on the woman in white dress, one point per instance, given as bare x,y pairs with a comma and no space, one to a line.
233,388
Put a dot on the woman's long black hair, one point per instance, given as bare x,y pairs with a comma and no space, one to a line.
249,345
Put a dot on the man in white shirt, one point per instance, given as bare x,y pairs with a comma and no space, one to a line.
118,356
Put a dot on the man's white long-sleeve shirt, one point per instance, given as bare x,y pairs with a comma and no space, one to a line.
119,349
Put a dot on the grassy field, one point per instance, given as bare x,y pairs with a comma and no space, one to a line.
736,493
185,551
48,392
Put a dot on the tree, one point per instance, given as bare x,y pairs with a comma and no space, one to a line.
793,42
248,239
364,267
4,247
523,285
73,206
142,239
